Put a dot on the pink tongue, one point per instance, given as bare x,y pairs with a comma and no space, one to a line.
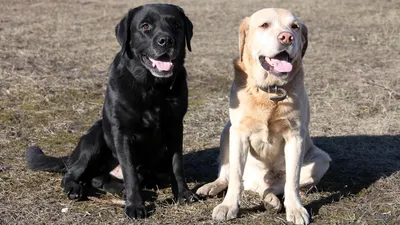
162,65
281,65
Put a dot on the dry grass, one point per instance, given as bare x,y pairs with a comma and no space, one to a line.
54,57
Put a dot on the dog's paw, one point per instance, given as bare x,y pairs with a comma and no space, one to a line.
134,212
225,212
210,189
187,197
297,215
271,202
74,190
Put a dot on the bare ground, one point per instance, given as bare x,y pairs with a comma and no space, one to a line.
54,57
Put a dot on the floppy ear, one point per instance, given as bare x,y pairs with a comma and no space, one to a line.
188,27
243,29
188,32
304,39
123,30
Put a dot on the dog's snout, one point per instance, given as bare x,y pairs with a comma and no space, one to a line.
165,41
286,38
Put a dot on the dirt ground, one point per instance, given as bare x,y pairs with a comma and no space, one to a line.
54,56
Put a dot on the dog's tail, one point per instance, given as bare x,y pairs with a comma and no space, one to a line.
37,160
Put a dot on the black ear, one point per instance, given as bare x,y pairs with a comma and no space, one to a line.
188,28
304,34
123,30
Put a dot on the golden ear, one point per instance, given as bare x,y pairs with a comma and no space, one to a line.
304,38
243,29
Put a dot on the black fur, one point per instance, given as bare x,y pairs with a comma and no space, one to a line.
142,124
37,160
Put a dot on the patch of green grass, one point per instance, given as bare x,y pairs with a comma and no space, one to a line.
361,193
6,116
61,138
196,101
29,107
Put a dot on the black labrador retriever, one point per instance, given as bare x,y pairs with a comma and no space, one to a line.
142,123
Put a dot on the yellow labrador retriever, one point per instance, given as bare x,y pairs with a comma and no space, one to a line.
266,145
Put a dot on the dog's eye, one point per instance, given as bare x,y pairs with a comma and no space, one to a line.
295,26
145,26
177,25
265,25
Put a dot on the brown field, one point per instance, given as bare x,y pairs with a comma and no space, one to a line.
54,56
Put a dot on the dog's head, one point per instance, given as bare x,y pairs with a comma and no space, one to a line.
155,35
272,43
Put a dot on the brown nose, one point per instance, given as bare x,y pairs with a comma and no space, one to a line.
285,38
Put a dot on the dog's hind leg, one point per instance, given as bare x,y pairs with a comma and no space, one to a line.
86,161
221,183
316,163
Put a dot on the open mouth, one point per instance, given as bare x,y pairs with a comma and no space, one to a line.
279,64
161,66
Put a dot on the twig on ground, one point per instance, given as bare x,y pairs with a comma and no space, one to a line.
108,201
373,82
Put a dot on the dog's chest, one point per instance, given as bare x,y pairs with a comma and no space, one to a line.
155,106
266,135
159,112
265,142
156,121
151,117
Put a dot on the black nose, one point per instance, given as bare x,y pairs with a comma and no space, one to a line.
165,41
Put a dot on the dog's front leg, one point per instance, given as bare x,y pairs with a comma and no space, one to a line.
179,186
134,208
294,153
238,149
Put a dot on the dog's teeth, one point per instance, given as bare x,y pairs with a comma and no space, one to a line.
154,65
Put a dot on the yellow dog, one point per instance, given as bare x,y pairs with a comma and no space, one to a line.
266,145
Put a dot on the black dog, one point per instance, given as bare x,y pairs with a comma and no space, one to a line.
145,102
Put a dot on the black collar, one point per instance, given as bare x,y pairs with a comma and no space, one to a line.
281,93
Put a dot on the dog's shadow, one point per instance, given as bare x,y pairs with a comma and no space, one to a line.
201,166
357,162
